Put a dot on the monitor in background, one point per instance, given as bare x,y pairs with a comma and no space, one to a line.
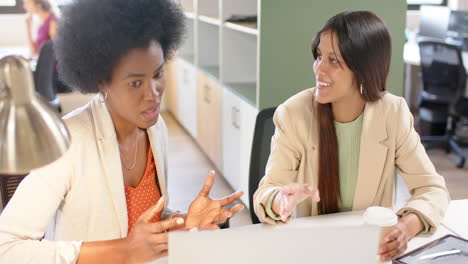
434,21
458,22
458,27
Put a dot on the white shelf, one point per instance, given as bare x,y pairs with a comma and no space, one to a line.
210,20
208,8
208,46
189,15
187,57
245,27
212,71
239,7
187,50
239,57
246,91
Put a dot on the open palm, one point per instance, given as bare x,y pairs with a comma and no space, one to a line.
206,213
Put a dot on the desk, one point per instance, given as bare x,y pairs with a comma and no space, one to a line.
455,222
355,218
411,55
18,50
456,219
14,50
412,85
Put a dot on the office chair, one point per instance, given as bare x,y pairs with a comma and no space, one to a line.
459,133
443,82
60,86
44,79
264,130
8,185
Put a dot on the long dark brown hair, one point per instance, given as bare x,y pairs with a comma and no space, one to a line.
44,4
365,45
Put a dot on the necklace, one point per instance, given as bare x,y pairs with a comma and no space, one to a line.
134,159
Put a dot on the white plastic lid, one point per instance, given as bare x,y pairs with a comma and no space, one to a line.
380,216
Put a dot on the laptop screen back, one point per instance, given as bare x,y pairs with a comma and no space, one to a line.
276,245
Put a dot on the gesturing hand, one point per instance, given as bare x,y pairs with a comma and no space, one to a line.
290,195
205,213
148,241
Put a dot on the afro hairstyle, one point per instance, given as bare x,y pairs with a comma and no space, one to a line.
94,34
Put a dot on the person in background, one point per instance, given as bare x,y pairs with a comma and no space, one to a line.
47,31
105,200
337,146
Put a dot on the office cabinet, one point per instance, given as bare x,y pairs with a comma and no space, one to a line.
170,93
209,118
248,118
238,123
231,133
187,96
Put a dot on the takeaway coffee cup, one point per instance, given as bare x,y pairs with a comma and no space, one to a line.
383,217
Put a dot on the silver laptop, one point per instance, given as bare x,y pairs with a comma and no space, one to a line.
258,244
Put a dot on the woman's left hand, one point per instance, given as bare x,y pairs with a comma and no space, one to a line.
205,213
396,242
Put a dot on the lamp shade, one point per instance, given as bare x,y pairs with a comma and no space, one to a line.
32,134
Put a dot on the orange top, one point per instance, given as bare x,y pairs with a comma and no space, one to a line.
145,195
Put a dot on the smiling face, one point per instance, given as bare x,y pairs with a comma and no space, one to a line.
136,87
30,6
335,81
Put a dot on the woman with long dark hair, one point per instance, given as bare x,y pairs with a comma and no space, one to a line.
347,137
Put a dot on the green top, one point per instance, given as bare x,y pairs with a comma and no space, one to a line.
349,139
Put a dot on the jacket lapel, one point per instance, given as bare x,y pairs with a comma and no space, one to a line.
157,146
372,156
110,160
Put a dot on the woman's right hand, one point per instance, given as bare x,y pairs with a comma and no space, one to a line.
290,195
28,21
148,241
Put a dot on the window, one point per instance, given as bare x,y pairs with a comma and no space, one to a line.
8,3
60,2
415,4
16,6
11,7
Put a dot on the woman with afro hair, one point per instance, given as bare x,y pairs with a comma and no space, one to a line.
104,200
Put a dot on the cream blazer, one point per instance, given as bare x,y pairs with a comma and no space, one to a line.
79,197
388,143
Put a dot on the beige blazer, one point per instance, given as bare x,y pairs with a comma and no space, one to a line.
79,197
388,143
